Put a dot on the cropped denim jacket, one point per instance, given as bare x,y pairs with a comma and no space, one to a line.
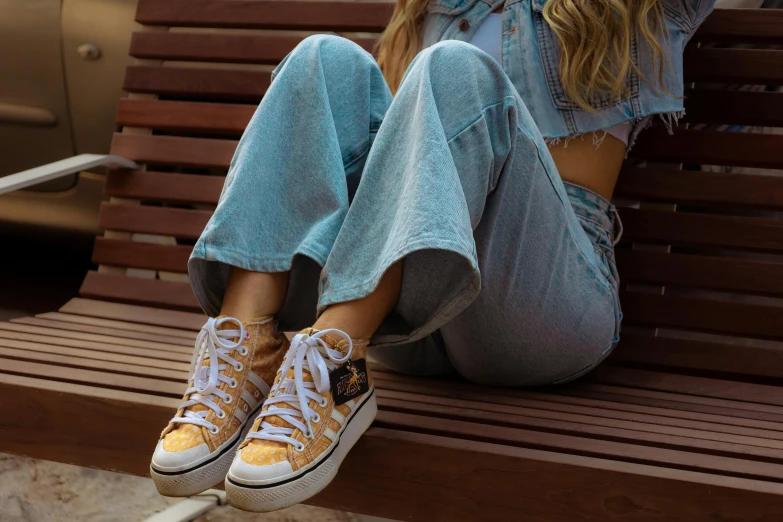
531,54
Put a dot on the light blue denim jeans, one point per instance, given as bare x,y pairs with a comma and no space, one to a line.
509,274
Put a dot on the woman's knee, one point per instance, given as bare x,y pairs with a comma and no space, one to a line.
334,55
455,60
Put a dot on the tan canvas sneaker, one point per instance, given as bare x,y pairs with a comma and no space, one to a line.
322,401
233,366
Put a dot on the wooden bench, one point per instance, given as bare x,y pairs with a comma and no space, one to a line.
683,422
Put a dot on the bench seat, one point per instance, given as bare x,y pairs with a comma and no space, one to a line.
94,383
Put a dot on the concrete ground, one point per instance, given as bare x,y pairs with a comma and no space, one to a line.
41,491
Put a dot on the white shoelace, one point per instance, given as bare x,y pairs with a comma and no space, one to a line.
311,353
205,379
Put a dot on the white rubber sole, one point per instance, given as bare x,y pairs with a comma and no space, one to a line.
205,476
311,480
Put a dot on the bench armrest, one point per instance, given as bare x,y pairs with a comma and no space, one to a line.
61,168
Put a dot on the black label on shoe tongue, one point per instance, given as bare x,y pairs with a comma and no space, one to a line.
349,381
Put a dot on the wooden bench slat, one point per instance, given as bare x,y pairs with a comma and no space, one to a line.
108,366
217,118
746,66
77,375
588,412
201,83
727,107
715,273
185,337
435,424
655,144
102,330
165,187
55,334
684,228
220,48
174,150
616,431
686,353
702,314
145,315
135,359
742,25
743,66
135,254
96,346
152,292
709,147
675,400
718,411
153,220
280,14
453,472
703,106
688,384
698,187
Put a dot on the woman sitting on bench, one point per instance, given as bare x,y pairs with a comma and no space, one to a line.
448,205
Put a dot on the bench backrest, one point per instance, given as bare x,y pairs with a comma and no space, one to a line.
702,251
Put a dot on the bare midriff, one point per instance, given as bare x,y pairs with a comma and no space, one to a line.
584,164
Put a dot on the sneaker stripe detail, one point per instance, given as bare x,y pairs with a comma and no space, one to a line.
239,414
249,399
339,417
330,434
259,383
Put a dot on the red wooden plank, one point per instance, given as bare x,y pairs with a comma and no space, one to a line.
192,117
135,290
187,82
694,186
716,273
703,314
222,48
684,228
173,150
742,25
745,66
739,149
287,14
181,223
699,355
136,254
734,108
164,186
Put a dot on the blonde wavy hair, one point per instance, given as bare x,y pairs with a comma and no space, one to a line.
595,38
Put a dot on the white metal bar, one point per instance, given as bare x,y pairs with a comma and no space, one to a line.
61,168
191,508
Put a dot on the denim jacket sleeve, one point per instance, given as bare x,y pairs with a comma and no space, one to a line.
689,13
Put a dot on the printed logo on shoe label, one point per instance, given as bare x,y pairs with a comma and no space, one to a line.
349,381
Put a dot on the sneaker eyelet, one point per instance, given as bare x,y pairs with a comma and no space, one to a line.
300,448
323,403
214,430
229,400
239,367
315,418
244,351
221,415
256,394
233,384
245,408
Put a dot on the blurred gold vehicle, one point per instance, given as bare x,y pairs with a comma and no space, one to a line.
61,71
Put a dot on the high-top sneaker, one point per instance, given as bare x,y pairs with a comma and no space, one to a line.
233,366
322,401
